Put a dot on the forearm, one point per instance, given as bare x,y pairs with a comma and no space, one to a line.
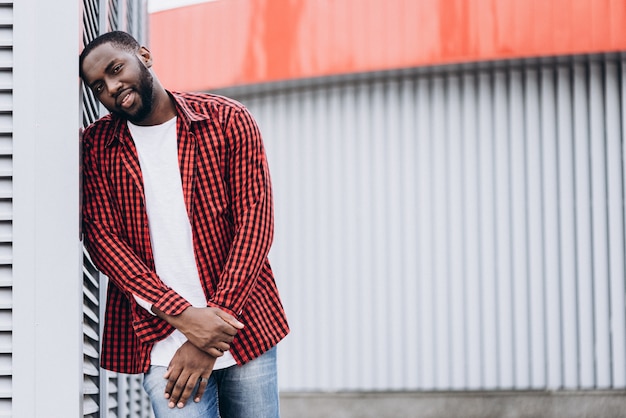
210,329
177,321
122,266
252,209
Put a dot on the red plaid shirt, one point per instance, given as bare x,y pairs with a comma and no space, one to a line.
226,186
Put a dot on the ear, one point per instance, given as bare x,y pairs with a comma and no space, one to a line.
145,56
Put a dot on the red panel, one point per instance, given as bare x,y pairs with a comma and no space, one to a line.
231,42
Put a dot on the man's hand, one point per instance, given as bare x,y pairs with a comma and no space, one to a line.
210,329
188,365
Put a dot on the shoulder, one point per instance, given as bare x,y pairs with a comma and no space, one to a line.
209,100
214,107
99,131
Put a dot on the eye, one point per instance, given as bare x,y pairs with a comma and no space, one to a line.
117,68
97,89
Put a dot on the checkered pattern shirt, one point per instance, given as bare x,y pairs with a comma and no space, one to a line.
227,192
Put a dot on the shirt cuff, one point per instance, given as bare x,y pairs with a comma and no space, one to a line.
146,305
228,311
171,303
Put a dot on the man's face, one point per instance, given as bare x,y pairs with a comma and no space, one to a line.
121,81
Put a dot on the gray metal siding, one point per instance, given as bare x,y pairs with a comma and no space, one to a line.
456,228
106,394
6,210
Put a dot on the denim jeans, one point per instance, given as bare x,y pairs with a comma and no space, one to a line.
248,391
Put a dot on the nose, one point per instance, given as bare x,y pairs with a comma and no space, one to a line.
113,85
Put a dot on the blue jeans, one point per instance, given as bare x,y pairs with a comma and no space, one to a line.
248,391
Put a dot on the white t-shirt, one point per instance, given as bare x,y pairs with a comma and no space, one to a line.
170,229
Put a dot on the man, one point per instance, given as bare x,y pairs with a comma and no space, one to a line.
178,214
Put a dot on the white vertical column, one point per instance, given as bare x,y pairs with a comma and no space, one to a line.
47,287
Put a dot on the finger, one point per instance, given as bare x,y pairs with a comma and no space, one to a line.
222,346
204,382
171,375
188,389
231,320
228,334
178,389
214,352
226,331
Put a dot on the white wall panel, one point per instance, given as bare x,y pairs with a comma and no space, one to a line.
43,252
456,228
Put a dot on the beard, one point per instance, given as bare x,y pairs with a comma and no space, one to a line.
146,94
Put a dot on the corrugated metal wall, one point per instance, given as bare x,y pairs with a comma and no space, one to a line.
106,393
6,210
457,228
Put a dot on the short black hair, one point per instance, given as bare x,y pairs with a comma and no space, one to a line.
119,39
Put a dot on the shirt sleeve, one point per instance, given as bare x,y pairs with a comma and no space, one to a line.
109,251
252,208
146,305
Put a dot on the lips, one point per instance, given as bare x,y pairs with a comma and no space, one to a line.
125,99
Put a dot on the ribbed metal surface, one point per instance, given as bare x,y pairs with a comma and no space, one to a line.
93,384
133,401
6,207
113,15
102,394
456,228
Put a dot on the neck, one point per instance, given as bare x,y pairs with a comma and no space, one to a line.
163,109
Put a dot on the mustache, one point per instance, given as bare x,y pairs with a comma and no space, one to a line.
122,91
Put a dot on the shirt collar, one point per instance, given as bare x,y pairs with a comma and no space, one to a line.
184,111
